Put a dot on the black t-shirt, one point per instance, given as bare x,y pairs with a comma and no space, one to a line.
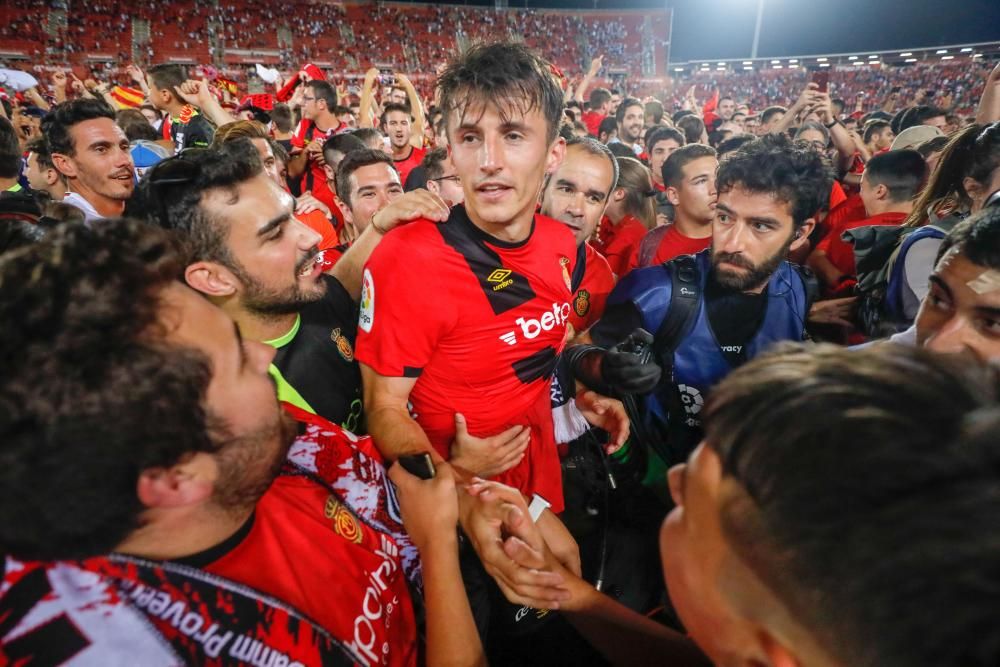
734,317
318,360
196,133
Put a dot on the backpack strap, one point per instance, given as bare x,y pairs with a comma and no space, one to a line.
685,294
580,269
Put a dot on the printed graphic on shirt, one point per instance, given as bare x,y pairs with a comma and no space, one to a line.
367,316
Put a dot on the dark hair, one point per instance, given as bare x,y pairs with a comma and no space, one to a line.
770,112
178,206
506,74
973,151
57,124
692,127
40,147
598,98
90,394
890,481
135,126
393,108
654,109
902,172
931,146
594,147
977,238
279,152
325,92
672,170
281,116
618,149
168,76
658,134
733,143
351,163
872,127
607,126
432,163
16,232
341,143
680,114
917,116
772,164
10,150
626,104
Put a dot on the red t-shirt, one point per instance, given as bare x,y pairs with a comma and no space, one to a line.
409,163
590,297
837,195
307,549
672,244
850,210
592,120
618,242
480,324
841,253
319,223
314,178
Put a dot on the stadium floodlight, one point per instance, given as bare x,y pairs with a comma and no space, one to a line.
775,62
824,64
978,55
821,60
722,63
748,62
860,62
793,67
793,60
940,51
872,57
852,57
779,67
678,69
720,69
749,67
966,49
910,60
947,57
903,55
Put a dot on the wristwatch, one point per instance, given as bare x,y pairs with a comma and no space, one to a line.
835,121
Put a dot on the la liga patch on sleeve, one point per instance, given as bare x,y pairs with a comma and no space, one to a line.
367,315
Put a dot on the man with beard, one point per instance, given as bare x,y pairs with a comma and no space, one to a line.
712,311
183,543
92,152
255,259
631,122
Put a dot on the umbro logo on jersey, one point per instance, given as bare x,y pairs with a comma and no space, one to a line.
500,279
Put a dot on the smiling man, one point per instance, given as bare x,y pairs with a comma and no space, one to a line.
92,152
712,311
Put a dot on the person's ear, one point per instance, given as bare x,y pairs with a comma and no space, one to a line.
972,187
881,192
801,235
618,195
777,654
52,176
188,482
328,171
433,186
673,196
211,279
344,209
65,165
556,154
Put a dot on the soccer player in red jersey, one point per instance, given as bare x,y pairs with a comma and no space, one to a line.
471,315
689,177
397,124
577,194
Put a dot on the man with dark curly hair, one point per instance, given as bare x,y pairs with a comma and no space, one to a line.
712,311
160,507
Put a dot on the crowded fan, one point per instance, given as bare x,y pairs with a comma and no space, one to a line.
374,349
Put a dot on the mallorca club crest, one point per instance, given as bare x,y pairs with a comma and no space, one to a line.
343,345
581,304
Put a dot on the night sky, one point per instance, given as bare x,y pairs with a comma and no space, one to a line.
804,27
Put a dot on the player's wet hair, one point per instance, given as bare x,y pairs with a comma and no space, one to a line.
90,395
890,481
505,74
774,165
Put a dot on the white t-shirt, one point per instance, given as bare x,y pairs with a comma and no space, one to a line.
89,212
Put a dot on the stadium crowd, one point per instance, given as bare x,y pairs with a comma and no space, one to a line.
497,365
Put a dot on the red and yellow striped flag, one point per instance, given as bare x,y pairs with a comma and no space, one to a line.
127,98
